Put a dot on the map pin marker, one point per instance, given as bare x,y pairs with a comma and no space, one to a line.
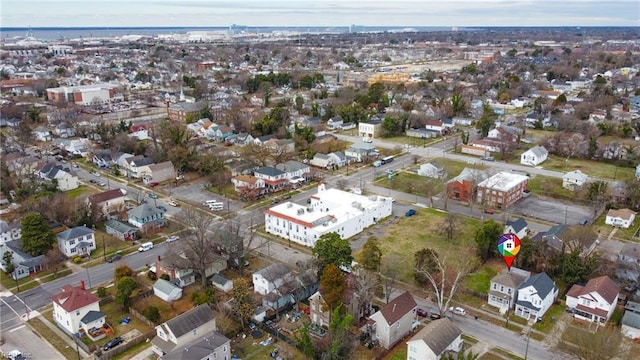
508,247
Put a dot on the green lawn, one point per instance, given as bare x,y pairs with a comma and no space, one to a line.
29,282
413,141
480,280
595,169
53,339
547,324
400,354
82,190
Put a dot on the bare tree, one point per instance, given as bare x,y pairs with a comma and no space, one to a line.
199,248
342,184
388,275
445,280
364,287
54,260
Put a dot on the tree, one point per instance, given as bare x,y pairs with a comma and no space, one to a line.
124,288
152,313
461,356
371,255
198,245
425,261
487,239
37,237
54,261
305,344
121,271
340,341
243,305
445,279
389,273
576,267
449,226
364,284
458,105
332,286
331,249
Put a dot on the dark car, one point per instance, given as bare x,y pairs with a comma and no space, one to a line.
112,343
489,211
275,201
153,195
163,208
93,181
115,257
410,213
422,312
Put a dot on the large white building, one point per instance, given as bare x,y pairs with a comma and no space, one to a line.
330,210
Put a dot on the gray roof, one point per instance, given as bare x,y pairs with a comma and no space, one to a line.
200,348
631,319
539,151
292,166
511,279
470,174
190,320
577,175
144,211
438,335
542,283
518,224
165,286
269,171
219,279
120,226
144,161
74,233
274,271
92,316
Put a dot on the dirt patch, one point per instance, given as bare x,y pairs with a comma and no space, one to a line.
130,335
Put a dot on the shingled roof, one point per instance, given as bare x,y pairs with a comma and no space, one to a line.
190,320
398,307
438,335
73,298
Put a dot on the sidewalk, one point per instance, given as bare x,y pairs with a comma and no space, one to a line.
63,336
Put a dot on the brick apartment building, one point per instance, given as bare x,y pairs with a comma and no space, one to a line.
502,190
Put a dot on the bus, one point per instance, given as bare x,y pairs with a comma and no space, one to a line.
386,160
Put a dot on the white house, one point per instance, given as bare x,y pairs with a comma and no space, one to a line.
335,123
271,278
9,232
432,169
72,305
595,301
323,161
77,241
621,218
41,133
191,335
535,296
66,181
534,156
369,130
518,227
574,180
631,320
294,169
166,290
330,210
504,287
110,200
435,340
395,320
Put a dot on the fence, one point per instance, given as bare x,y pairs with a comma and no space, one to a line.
98,355
141,317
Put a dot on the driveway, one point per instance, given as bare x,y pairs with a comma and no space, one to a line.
552,210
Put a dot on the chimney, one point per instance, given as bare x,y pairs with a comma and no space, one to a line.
159,258
394,307
82,284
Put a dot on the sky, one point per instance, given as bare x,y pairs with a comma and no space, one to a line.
301,13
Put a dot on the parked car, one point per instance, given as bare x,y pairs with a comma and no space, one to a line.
489,211
162,208
458,311
410,213
173,203
153,184
75,166
275,201
114,258
422,312
95,173
112,343
173,238
102,183
286,197
488,158
153,195
93,181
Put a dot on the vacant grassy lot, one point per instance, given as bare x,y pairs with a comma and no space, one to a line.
81,191
401,140
424,230
595,169
480,280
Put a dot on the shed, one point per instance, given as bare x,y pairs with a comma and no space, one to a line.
222,283
166,291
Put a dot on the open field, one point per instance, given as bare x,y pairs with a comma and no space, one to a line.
424,230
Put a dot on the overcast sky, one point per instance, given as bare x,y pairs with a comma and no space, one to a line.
214,13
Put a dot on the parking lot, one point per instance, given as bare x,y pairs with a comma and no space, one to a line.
553,210
195,194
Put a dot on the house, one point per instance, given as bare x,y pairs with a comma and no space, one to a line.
77,241
248,186
330,210
241,139
356,307
560,238
359,152
294,169
9,231
534,156
183,111
338,158
41,133
630,253
73,307
191,335
436,126
221,282
108,201
138,166
432,169
159,172
270,278
166,290
221,133
121,230
64,178
620,218
102,159
535,296
504,286
435,340
322,161
502,189
395,320
146,215
574,180
64,130
176,265
594,301
23,263
274,179
518,227
463,186
370,129
631,320
335,123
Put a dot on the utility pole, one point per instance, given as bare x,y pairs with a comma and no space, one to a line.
104,249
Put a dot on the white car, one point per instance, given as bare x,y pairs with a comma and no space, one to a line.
458,311
173,238
95,173
173,203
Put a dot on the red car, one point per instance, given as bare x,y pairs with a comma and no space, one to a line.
489,211
153,184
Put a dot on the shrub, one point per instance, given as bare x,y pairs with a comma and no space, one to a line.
200,298
165,277
151,275
102,292
152,313
122,271
77,259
